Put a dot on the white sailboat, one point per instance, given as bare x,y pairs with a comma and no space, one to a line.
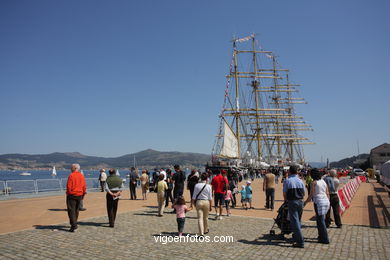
54,172
25,173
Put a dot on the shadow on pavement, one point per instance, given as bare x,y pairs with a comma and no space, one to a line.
149,213
267,239
95,224
377,205
172,234
66,228
57,209
307,226
52,227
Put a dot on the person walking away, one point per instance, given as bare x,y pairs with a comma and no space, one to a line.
202,199
293,193
319,195
144,184
168,193
228,198
269,188
133,183
308,181
219,185
233,189
178,180
333,184
192,180
248,189
243,197
113,187
81,205
181,210
278,173
161,188
102,179
75,190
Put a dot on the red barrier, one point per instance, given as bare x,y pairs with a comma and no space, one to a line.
347,192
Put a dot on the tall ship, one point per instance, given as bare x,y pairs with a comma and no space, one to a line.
258,125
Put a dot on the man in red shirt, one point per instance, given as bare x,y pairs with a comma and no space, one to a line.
75,191
219,185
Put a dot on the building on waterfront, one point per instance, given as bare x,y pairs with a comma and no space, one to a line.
379,155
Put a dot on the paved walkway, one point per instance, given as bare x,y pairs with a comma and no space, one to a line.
35,229
135,232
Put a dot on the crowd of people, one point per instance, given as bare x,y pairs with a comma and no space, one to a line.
222,187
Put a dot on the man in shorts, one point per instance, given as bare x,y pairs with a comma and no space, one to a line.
219,185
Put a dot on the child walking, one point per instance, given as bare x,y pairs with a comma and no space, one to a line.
243,197
181,209
228,198
249,194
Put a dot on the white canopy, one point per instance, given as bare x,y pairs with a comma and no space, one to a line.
385,173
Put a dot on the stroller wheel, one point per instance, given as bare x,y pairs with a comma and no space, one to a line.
272,232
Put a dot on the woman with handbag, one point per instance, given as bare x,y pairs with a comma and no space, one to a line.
202,199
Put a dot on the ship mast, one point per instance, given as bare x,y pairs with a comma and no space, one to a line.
237,114
255,85
265,115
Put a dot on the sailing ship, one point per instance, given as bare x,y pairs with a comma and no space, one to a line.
259,125
54,172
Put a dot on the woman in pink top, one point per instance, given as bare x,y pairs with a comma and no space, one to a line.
181,209
228,198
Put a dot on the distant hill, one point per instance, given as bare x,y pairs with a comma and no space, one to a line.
148,158
349,161
317,164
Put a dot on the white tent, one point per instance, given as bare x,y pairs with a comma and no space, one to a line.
264,165
385,173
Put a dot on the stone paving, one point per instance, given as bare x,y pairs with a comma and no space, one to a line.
134,238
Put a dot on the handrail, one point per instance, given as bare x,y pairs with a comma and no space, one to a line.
36,186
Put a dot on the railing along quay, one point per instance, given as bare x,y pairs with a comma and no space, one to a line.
11,187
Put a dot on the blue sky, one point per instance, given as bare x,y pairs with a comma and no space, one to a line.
109,78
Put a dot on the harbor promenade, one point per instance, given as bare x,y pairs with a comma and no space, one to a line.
36,228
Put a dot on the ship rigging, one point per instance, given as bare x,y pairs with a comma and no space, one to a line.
259,125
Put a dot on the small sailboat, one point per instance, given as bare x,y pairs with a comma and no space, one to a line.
54,172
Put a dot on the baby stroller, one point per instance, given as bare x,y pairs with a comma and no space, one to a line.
282,221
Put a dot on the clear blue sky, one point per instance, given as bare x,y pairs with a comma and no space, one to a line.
109,78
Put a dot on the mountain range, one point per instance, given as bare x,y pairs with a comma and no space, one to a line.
350,161
148,158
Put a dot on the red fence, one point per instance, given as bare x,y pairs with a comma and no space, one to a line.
347,192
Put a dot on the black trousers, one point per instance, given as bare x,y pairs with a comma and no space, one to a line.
112,207
269,198
168,196
234,200
102,184
133,194
73,204
335,205
178,191
191,188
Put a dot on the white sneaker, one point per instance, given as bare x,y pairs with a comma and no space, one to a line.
220,218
